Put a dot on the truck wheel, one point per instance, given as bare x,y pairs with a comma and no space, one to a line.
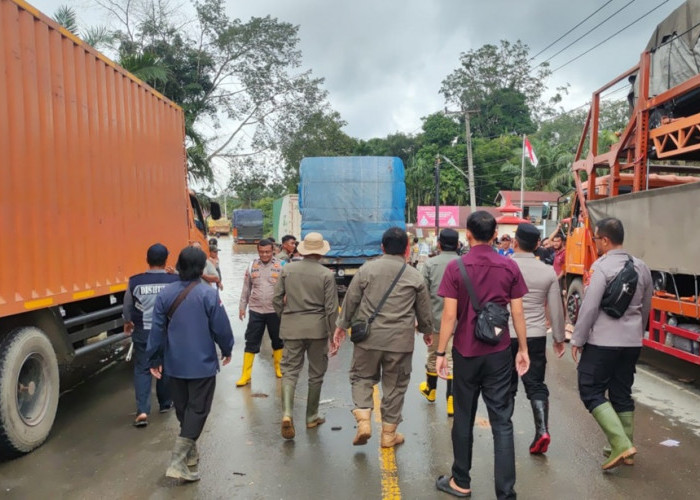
574,296
29,388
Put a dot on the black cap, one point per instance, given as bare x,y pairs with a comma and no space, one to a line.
156,254
528,233
448,238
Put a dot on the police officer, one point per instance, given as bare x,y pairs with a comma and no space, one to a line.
433,269
139,299
543,293
306,298
387,353
258,289
288,245
609,347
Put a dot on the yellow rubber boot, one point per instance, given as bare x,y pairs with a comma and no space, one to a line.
450,399
248,358
427,387
277,357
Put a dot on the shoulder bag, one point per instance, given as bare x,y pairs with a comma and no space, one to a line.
491,319
180,299
619,292
360,329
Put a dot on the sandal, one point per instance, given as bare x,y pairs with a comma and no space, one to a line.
443,484
141,420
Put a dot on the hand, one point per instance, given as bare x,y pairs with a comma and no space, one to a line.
559,348
225,360
441,367
575,351
241,314
428,339
128,327
220,285
522,363
157,372
336,342
170,270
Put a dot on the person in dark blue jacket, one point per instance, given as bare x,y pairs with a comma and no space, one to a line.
139,299
184,347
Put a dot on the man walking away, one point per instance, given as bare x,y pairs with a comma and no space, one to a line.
189,320
386,354
543,294
139,299
306,298
258,289
481,368
433,270
609,347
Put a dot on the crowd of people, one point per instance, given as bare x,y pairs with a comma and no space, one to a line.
484,315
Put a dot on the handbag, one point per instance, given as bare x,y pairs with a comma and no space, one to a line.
491,318
360,329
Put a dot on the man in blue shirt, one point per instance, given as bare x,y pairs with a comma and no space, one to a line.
139,299
183,344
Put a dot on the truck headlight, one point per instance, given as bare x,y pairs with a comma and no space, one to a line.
341,272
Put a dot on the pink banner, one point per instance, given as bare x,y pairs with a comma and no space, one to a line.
449,216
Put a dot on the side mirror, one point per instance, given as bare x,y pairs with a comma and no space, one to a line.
546,210
215,210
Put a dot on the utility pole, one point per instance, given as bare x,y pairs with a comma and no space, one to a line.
470,164
437,197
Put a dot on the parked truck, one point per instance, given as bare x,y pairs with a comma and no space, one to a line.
92,161
218,227
247,226
351,201
649,180
286,218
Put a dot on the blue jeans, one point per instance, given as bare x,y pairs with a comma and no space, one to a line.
142,382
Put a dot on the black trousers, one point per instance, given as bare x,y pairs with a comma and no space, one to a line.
488,375
256,329
533,380
192,399
610,369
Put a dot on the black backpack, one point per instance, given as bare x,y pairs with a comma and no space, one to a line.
619,292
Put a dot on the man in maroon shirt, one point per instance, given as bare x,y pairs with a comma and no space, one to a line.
480,367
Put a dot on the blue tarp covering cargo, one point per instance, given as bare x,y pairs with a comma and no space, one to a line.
352,201
247,217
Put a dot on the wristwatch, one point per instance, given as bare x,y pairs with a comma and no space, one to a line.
441,354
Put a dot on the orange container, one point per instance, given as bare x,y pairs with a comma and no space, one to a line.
93,168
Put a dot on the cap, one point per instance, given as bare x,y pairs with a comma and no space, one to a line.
213,248
528,233
157,253
505,237
449,238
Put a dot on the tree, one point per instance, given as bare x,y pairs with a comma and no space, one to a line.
94,36
243,80
490,68
504,111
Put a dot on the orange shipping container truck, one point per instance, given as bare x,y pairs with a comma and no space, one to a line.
92,160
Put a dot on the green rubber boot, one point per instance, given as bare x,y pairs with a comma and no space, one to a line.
313,419
178,465
627,419
620,444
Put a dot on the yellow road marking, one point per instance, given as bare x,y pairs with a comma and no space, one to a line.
387,459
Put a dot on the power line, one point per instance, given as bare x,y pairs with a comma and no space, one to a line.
590,30
572,29
610,37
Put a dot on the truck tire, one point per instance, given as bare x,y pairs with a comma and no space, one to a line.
29,389
574,296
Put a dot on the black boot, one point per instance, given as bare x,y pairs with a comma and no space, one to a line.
540,412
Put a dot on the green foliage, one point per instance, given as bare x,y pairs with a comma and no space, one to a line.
265,205
66,17
504,111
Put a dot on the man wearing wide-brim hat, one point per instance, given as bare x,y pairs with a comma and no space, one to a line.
306,299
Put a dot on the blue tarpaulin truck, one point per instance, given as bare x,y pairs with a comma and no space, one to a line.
351,201
247,226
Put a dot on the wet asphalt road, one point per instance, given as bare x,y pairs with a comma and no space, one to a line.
94,452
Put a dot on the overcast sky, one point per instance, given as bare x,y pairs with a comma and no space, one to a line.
384,60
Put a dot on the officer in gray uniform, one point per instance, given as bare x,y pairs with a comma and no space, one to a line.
387,353
543,293
306,298
433,269
609,347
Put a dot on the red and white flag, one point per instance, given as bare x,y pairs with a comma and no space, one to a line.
529,152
